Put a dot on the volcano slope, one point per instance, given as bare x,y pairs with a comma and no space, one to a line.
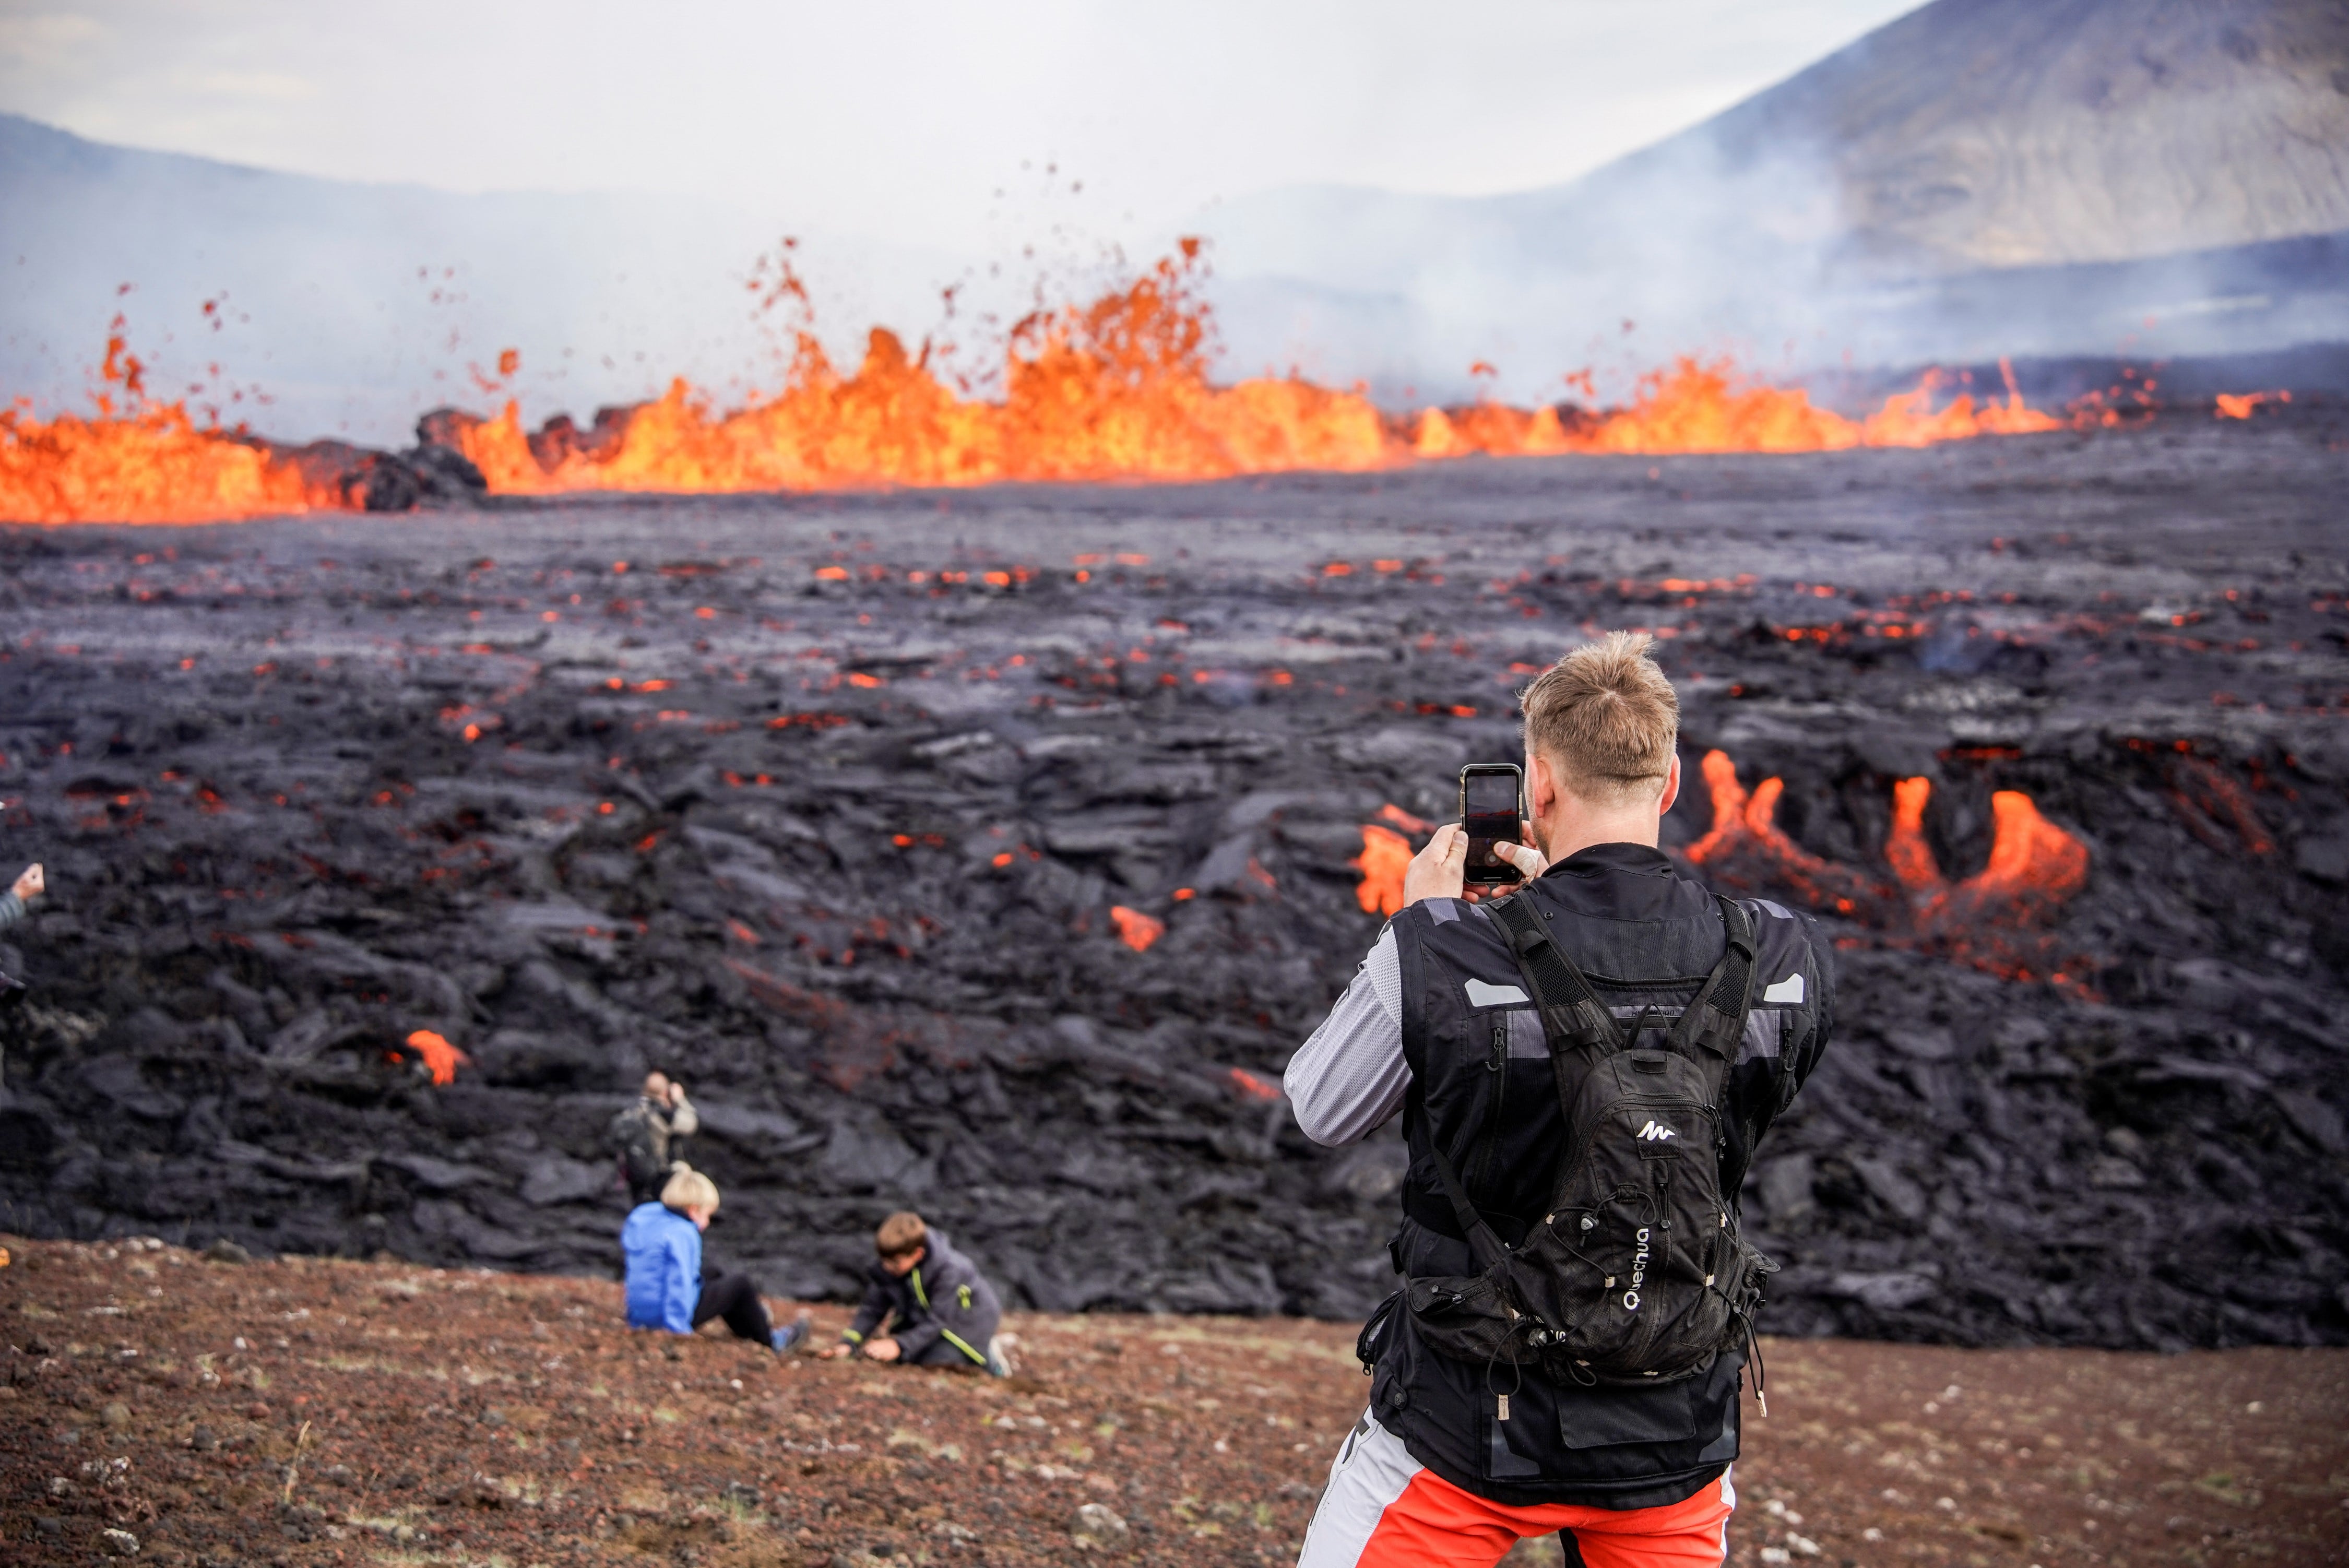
855,813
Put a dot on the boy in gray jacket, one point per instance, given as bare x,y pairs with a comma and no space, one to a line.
939,1312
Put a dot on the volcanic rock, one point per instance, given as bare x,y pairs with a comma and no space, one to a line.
1098,1527
846,854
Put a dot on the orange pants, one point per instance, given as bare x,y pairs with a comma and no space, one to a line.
1384,1509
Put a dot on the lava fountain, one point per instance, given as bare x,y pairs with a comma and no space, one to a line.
1115,389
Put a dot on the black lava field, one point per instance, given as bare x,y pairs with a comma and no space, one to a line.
825,806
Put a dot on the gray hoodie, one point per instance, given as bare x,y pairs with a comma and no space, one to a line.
942,1299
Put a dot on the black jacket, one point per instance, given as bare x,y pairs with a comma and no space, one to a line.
943,1297
1482,1087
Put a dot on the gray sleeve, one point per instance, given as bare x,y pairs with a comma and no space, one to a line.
12,908
683,1120
1351,1076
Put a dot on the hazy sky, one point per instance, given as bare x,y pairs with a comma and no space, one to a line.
916,120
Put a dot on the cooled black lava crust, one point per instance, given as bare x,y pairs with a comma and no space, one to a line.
841,848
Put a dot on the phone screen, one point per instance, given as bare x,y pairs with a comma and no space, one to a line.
1490,811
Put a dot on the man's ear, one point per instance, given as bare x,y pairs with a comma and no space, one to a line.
1541,786
1671,785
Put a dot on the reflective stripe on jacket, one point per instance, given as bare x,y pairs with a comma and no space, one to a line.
942,1297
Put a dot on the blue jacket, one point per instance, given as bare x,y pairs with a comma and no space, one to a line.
664,1253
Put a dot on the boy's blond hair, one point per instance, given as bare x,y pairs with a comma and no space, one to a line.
689,1189
1606,719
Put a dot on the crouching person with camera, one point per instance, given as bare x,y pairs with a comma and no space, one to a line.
937,1309
1584,1060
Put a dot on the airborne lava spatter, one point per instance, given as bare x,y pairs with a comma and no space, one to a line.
1115,389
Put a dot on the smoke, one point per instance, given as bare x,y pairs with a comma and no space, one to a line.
346,310
1703,247
1682,249
1975,180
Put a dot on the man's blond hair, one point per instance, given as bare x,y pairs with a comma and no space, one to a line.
1606,719
689,1189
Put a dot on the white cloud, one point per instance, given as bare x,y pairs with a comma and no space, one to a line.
263,87
45,41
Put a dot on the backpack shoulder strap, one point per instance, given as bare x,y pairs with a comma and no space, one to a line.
1714,1021
1574,1020
1571,1014
1483,1242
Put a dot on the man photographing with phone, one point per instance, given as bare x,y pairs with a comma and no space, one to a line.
1584,1062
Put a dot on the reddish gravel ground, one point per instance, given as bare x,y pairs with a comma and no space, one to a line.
311,1411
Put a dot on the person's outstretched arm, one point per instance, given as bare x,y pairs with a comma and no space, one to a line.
870,1313
1352,1076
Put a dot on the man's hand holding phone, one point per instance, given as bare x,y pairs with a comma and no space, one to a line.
30,883
1440,869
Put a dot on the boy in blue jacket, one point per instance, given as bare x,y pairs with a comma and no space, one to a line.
668,1288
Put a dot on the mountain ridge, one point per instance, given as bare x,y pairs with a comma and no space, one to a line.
1867,204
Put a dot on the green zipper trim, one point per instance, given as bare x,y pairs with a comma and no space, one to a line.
960,1343
919,1293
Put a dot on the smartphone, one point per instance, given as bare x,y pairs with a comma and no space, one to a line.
1492,809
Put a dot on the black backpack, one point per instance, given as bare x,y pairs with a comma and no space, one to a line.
630,1135
1637,1273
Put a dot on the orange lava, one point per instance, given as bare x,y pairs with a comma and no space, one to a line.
1385,855
1253,1087
2035,866
1906,850
1702,406
441,1057
147,464
1993,919
2239,405
1135,928
1746,826
1114,389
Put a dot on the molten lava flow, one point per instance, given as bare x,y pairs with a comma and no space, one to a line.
1906,850
2035,866
1494,427
1115,389
1253,1087
1119,389
1704,407
147,464
1987,920
2239,405
1701,408
1386,854
1135,928
440,1056
1745,828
